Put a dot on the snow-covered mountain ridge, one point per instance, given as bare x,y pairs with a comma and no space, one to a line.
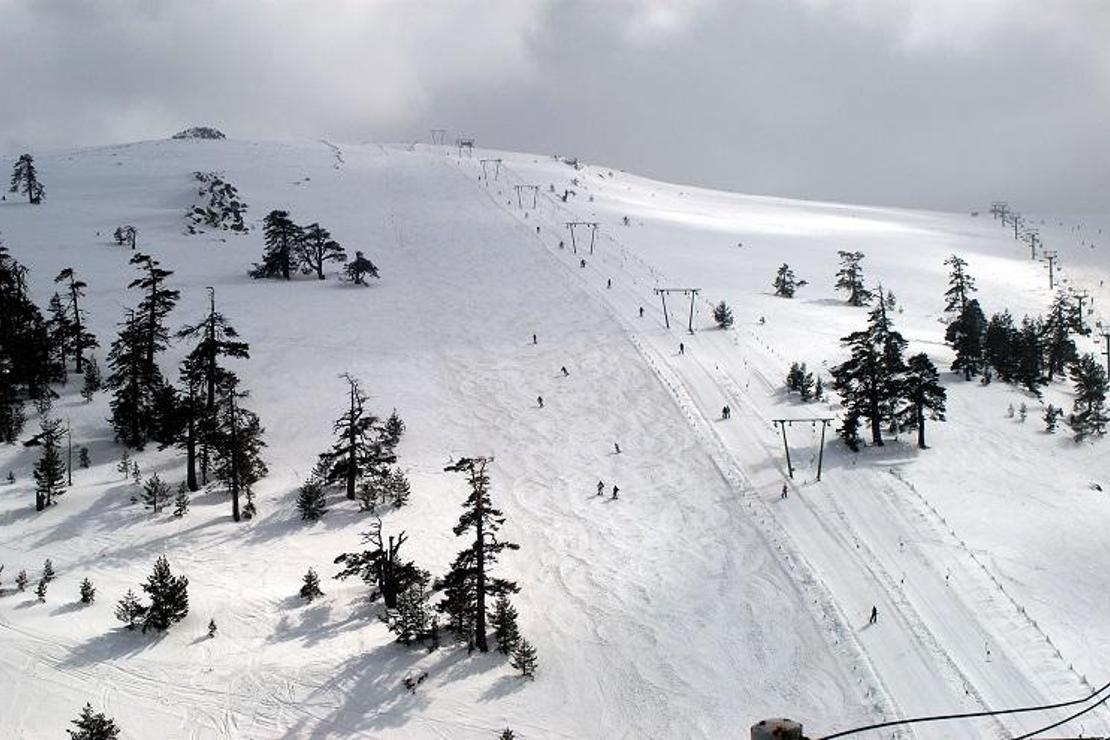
697,603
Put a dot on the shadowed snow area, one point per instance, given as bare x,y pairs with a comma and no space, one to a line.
693,606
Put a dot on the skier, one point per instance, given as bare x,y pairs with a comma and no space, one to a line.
724,412
539,400
681,348
564,369
874,615
783,490
615,490
561,245
600,488
609,282
762,321
533,339
581,263
617,447
641,312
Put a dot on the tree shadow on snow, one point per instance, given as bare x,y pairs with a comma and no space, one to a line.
112,645
502,687
73,606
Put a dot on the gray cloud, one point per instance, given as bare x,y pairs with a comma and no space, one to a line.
929,103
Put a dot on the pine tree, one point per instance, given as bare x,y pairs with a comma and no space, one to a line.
1090,413
363,449
40,591
317,248
50,469
58,330
126,236
818,389
132,388
237,443
398,488
800,380
960,286
1029,353
83,457
123,467
785,283
25,349
25,180
394,430
1023,412
999,346
922,392
79,337
468,584
181,500
93,726
310,588
850,278
88,592
157,303
524,659
48,570
381,567
156,493
722,314
312,500
21,580
283,239
966,334
129,610
92,380
211,628
411,620
358,268
1051,417
169,597
503,618
1059,348
869,380
507,733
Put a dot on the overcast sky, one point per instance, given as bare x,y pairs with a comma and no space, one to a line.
929,103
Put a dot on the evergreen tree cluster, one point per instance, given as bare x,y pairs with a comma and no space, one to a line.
169,600
219,206
785,283
801,381
25,180
26,364
126,235
291,248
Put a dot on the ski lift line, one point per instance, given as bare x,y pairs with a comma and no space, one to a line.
989,713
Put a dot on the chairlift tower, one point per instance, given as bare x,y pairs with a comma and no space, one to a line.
592,225
1050,257
466,145
534,189
486,164
439,136
813,420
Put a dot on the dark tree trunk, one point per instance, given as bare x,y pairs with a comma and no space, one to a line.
921,426
234,465
480,557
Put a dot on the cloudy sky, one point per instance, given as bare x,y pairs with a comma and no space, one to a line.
928,103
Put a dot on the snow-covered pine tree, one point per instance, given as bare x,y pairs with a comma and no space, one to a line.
123,467
129,610
88,592
960,286
1057,328
310,586
48,573
394,430
1051,417
317,248
722,314
921,392
211,628
40,590
411,620
50,469
25,352
1030,352
21,580
80,339
312,501
1090,414
381,566
91,383
181,500
966,335
507,733
869,380
59,331
363,448
785,284
503,619
132,386
25,179
156,493
524,659
850,279
237,443
468,584
93,726
398,488
283,239
358,268
169,597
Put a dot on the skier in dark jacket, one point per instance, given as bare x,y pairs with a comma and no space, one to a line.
600,488
874,615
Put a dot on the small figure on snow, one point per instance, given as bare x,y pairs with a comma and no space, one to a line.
762,321
617,448
581,263
563,369
874,615
783,490
681,348
600,488
533,339
609,282
726,412
211,628
615,492
641,312
539,400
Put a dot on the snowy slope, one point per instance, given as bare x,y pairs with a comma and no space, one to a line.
696,604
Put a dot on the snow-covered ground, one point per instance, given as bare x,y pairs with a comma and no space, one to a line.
695,605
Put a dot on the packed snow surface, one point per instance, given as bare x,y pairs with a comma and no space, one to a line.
699,602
